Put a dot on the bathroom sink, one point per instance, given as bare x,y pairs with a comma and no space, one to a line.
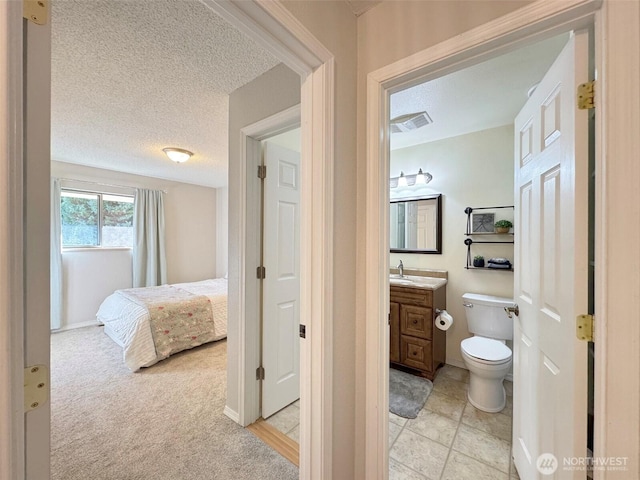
416,281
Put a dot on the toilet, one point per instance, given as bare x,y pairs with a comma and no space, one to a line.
485,354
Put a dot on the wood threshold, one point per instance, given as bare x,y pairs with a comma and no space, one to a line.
277,440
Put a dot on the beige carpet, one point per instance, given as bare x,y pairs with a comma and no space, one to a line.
164,422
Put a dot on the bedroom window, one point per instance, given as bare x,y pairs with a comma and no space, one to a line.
90,219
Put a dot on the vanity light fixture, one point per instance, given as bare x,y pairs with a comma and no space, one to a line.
420,178
178,155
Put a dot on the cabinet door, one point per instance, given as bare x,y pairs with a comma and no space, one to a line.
416,321
416,353
394,332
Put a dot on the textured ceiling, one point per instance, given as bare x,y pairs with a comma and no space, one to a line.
483,96
132,77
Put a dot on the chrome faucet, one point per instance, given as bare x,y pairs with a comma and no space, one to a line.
400,267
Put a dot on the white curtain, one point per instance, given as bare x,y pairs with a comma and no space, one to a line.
56,257
149,262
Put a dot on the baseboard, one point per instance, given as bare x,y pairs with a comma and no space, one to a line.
73,326
232,414
456,363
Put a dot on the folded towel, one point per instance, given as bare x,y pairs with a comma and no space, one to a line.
499,266
500,261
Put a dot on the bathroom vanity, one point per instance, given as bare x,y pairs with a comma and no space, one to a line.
416,345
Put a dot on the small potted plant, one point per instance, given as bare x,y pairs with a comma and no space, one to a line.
503,226
478,261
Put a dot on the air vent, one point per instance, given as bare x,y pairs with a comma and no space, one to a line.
411,121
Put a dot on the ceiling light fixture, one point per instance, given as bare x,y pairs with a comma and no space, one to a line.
420,178
178,155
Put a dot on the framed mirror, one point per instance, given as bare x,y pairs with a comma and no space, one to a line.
416,225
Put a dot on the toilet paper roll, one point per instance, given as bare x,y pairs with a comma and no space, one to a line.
444,320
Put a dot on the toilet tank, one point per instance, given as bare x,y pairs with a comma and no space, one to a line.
486,316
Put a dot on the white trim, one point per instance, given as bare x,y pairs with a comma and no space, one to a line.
276,29
617,332
316,254
537,20
12,449
249,354
232,414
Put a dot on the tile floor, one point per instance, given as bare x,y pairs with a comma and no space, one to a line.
449,440
287,421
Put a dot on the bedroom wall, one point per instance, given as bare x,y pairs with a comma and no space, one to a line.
90,275
222,231
472,170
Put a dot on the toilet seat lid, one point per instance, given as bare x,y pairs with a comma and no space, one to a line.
486,349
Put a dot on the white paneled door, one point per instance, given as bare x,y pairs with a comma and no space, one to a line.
281,286
551,191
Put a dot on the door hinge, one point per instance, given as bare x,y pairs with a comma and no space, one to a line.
584,327
261,273
260,373
262,171
586,95
36,386
36,11
303,331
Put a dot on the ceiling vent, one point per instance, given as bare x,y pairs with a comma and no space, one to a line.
411,121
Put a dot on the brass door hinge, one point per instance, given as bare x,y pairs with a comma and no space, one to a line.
584,327
36,11
36,386
260,373
262,171
586,95
261,273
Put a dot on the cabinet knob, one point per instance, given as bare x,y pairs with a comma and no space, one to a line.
415,322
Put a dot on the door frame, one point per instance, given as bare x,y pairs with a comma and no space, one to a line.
615,294
12,425
273,27
250,352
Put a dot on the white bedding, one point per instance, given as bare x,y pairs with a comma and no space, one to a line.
127,323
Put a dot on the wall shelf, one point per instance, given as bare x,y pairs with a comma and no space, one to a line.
493,238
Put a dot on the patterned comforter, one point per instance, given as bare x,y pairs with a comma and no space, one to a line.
153,323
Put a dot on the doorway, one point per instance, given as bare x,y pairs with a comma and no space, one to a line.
472,166
382,83
316,69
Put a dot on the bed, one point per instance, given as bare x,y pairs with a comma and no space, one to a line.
153,323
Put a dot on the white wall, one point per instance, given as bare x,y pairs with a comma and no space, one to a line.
222,231
90,275
473,170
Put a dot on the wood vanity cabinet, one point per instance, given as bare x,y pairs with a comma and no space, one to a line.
416,345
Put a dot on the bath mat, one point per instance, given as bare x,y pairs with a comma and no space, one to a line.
407,393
